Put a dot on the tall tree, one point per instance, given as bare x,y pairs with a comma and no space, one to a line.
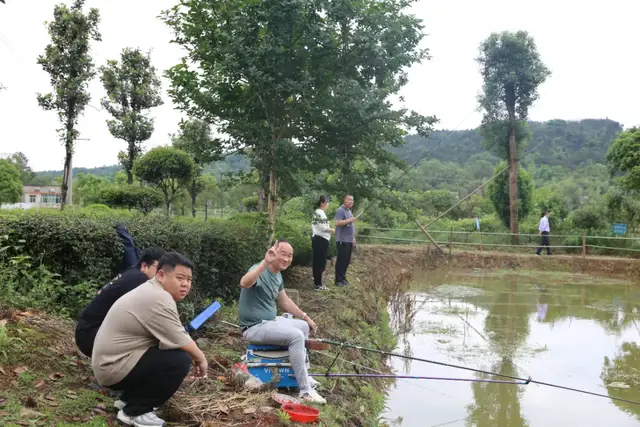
68,62
166,168
195,138
303,80
624,157
10,183
20,161
512,71
132,88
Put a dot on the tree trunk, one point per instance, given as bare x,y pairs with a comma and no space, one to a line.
193,204
66,196
131,154
513,182
167,202
271,206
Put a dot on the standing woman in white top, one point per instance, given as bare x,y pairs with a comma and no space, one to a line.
321,235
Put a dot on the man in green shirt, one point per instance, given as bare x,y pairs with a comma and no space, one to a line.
262,287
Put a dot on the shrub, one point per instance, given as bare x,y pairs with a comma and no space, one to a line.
83,246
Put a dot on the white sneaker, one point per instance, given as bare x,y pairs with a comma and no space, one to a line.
313,383
145,420
119,405
312,396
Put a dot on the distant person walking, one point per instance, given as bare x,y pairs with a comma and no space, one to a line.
544,230
321,235
345,239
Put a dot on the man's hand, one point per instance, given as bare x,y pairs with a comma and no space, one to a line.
201,368
311,324
354,242
353,219
270,256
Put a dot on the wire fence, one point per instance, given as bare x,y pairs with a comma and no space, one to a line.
580,244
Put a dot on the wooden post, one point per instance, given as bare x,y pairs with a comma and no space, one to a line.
450,243
424,230
584,244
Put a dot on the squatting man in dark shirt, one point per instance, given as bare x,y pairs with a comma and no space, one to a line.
262,287
93,315
142,348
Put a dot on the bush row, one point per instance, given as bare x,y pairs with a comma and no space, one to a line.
83,246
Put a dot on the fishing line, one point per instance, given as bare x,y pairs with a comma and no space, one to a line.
527,380
417,377
414,164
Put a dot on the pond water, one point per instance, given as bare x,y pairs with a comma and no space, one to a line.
573,330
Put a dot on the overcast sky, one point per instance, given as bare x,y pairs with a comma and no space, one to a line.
590,48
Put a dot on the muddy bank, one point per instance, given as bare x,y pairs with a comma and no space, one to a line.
430,258
42,375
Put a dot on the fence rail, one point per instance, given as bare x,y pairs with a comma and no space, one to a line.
563,243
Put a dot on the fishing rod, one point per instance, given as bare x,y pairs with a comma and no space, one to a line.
450,365
414,164
417,377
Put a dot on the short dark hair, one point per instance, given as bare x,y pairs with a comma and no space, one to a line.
150,255
321,200
170,260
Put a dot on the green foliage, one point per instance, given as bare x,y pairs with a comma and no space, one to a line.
250,203
10,183
20,161
68,62
195,138
589,217
82,246
99,207
132,88
144,199
265,80
624,156
512,71
87,188
498,191
167,169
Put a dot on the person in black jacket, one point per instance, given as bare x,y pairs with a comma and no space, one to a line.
93,315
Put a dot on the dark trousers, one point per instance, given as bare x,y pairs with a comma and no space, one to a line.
544,242
344,258
155,378
85,336
320,248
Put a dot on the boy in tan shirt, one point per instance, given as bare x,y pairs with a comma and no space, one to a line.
142,348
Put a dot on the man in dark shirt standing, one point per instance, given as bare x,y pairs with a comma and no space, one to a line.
345,239
93,315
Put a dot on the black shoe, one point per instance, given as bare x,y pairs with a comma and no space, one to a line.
346,282
341,283
320,288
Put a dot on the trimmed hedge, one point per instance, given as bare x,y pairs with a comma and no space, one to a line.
83,246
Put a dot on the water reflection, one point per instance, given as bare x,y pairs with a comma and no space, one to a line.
563,330
507,326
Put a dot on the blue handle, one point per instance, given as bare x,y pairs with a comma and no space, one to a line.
203,316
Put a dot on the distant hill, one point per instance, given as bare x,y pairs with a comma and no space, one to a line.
563,143
233,163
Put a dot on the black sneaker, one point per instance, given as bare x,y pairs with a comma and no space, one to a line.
342,283
320,288
346,282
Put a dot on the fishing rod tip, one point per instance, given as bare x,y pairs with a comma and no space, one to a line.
528,381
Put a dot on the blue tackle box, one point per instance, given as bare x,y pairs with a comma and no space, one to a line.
265,361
